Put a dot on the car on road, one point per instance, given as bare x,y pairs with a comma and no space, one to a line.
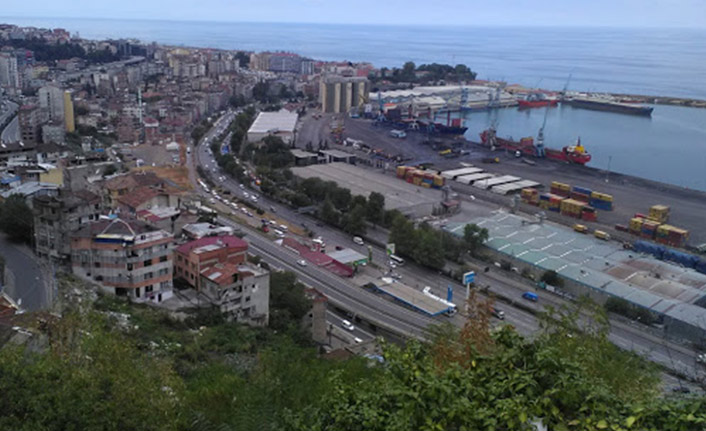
396,275
283,227
278,233
358,240
347,325
499,314
273,209
701,358
530,296
253,198
244,210
241,186
357,340
301,262
246,195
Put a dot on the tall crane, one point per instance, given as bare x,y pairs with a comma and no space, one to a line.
562,94
539,145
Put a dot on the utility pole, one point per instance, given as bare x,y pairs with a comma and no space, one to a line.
607,172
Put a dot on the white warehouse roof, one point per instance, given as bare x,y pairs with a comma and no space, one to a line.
274,122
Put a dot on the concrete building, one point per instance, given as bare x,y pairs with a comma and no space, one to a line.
126,257
56,217
58,104
241,292
9,72
30,120
283,62
195,256
125,184
53,133
17,151
200,230
339,94
147,198
282,124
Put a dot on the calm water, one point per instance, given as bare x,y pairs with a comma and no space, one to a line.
669,147
642,61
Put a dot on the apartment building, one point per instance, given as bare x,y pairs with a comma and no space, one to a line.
192,258
56,217
241,292
126,257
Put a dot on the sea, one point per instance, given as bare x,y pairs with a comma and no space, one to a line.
670,146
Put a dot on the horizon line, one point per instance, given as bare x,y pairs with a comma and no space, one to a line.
372,24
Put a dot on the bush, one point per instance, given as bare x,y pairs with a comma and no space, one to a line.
552,278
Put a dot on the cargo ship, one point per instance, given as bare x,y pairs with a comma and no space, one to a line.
452,126
610,105
536,100
575,154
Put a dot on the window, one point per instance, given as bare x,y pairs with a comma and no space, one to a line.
148,262
247,299
97,264
129,267
148,289
163,259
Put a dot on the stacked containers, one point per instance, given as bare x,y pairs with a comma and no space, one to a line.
659,213
674,236
589,213
571,208
427,180
402,171
560,189
601,201
439,181
649,228
551,202
635,225
580,194
530,196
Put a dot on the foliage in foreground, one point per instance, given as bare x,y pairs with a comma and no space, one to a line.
157,373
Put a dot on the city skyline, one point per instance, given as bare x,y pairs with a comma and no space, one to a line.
626,13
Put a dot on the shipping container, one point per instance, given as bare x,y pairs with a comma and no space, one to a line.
583,197
621,228
601,196
649,248
589,214
659,213
560,189
581,190
601,204
401,171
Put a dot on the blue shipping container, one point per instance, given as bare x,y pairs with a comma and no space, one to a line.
583,190
601,204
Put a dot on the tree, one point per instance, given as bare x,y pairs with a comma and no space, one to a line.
474,237
354,221
375,210
428,250
341,198
16,219
288,301
328,213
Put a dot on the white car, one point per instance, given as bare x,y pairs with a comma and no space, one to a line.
253,198
347,325
701,358
241,186
301,262
244,210
358,240
233,204
246,195
357,340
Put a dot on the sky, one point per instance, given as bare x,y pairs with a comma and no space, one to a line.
614,13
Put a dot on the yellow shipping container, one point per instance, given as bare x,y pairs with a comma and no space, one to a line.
438,180
571,206
659,213
636,223
561,186
544,205
602,196
401,171
426,185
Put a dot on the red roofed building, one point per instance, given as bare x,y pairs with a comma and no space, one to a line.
196,256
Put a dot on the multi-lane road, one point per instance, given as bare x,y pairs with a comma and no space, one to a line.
381,312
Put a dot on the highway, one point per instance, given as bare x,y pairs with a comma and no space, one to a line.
11,133
382,312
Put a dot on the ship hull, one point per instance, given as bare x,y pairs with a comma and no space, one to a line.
597,105
526,147
442,129
536,103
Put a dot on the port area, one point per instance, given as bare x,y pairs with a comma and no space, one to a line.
631,194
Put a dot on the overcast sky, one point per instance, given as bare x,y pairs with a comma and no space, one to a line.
620,13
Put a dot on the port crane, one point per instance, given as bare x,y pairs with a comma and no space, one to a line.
539,145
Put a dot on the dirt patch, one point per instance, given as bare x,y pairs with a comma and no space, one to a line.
179,175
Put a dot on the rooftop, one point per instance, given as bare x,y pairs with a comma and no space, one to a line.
212,243
267,122
117,226
663,287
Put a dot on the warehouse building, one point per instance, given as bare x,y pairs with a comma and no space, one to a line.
281,124
339,94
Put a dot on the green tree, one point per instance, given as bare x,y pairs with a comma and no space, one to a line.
341,198
354,221
328,213
428,249
16,219
474,237
375,210
288,301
